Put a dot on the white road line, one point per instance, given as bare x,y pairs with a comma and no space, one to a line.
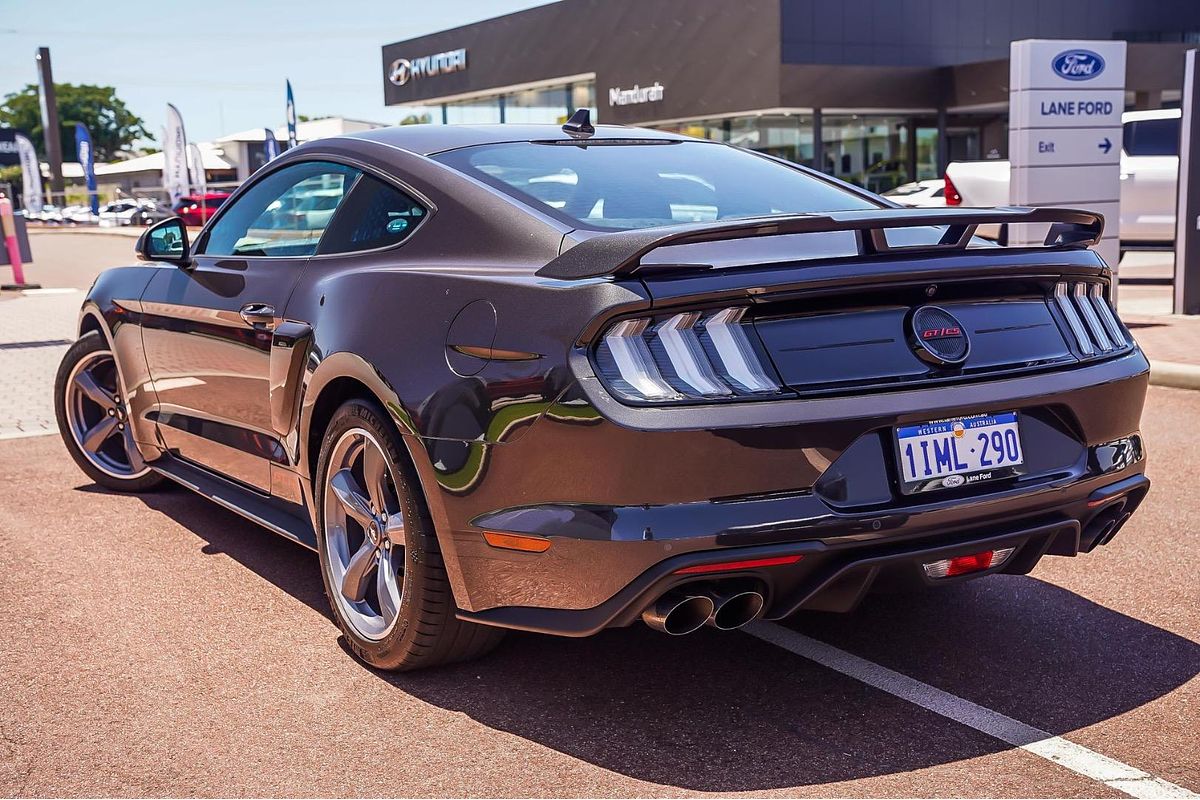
43,292
27,434
1077,758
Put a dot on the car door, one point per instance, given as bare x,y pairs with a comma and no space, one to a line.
208,328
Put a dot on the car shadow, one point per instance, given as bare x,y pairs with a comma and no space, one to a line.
288,565
727,712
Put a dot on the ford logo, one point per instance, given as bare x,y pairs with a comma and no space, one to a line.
1078,65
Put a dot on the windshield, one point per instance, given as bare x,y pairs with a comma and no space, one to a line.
641,185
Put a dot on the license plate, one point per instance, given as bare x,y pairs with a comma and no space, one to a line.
949,453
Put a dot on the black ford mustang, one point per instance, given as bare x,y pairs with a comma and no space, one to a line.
562,379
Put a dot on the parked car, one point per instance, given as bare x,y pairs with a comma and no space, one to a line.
1149,170
195,210
49,214
920,194
79,215
131,211
486,410
150,211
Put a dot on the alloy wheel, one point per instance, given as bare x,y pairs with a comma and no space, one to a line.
363,528
99,417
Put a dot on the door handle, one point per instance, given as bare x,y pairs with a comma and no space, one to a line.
259,315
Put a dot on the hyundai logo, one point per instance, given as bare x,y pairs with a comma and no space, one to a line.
402,70
1078,65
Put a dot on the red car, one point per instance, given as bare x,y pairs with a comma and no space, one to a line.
195,210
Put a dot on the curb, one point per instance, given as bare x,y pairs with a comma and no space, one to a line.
1174,374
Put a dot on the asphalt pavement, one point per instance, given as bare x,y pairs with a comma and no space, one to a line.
160,645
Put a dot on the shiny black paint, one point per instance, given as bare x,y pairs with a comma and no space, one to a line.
536,444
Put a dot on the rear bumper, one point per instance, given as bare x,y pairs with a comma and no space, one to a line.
833,574
624,494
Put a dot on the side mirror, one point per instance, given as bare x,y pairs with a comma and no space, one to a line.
165,241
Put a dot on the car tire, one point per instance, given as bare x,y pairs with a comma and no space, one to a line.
400,613
112,461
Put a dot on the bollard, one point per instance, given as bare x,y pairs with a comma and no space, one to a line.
9,227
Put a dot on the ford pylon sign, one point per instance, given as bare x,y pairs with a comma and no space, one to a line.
1064,135
1078,65
405,69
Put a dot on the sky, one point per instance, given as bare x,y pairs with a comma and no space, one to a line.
223,62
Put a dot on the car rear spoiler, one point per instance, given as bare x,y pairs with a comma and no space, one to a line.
620,253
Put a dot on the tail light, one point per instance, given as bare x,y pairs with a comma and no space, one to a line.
953,198
1090,317
965,565
711,355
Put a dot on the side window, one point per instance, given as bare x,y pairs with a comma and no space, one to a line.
375,215
284,214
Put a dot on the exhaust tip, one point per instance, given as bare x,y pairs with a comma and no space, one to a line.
736,610
677,613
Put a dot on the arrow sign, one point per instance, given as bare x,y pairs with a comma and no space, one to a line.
1106,145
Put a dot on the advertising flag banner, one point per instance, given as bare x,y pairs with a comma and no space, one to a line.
199,179
291,116
175,171
270,145
31,175
83,148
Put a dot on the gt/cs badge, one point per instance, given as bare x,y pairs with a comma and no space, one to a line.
937,337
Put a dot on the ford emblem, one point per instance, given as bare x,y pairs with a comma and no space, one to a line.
1078,65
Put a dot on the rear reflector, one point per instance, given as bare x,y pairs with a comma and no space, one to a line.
516,541
964,565
726,566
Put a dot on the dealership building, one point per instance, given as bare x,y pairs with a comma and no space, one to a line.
877,92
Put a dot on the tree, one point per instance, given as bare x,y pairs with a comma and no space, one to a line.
112,125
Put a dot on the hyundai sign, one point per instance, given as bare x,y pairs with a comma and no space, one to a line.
405,69
1078,65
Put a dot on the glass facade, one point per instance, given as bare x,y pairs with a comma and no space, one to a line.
546,104
785,135
869,151
866,150
873,151
876,151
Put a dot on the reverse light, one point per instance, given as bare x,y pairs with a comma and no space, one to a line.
687,356
964,565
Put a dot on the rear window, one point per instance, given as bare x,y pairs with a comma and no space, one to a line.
1152,137
644,184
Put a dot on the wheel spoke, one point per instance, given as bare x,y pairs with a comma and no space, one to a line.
387,586
358,572
98,434
375,476
86,383
136,463
394,530
350,495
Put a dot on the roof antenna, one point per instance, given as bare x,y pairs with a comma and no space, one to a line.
579,126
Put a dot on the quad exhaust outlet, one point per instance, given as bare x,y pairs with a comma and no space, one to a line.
679,612
691,607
